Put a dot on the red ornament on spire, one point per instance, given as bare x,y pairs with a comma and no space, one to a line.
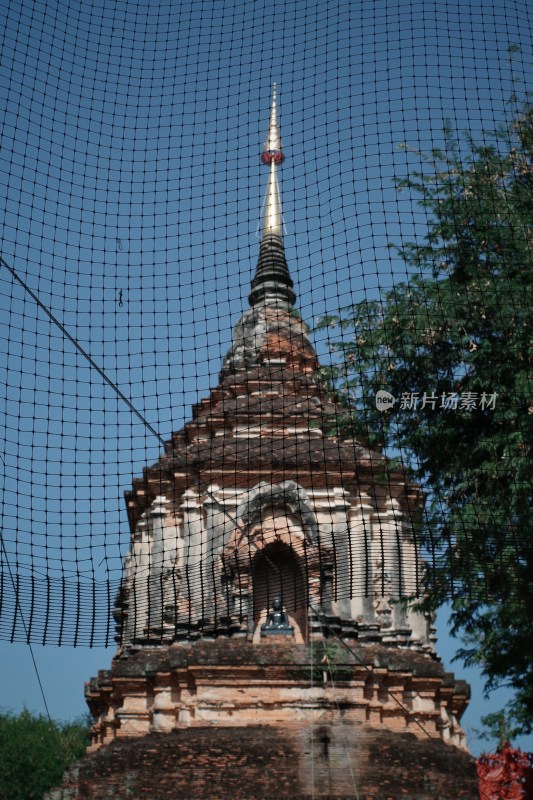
269,156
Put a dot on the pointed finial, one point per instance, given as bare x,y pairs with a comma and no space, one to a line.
272,284
272,156
272,150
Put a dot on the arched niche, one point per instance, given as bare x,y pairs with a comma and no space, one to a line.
278,571
277,525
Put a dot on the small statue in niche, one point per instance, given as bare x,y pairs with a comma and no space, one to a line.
383,613
277,622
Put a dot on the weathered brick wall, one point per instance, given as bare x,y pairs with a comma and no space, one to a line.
267,763
232,682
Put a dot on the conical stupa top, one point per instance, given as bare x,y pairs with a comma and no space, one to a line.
272,283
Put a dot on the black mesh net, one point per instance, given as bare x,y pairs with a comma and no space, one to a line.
131,192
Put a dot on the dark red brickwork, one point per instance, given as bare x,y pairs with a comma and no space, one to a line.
267,763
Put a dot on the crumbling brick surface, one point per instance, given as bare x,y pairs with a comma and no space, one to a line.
265,763
241,653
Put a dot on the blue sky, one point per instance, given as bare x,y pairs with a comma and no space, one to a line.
130,189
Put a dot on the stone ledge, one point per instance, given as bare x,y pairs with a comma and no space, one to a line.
224,651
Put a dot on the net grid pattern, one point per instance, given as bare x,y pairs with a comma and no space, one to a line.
131,190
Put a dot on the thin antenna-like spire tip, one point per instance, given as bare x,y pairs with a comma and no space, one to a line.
273,148
272,156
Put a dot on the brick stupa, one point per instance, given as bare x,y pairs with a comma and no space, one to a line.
215,694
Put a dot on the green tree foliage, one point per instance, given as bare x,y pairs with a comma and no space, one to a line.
454,346
35,752
497,728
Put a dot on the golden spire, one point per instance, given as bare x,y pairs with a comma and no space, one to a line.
273,146
272,155
272,284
